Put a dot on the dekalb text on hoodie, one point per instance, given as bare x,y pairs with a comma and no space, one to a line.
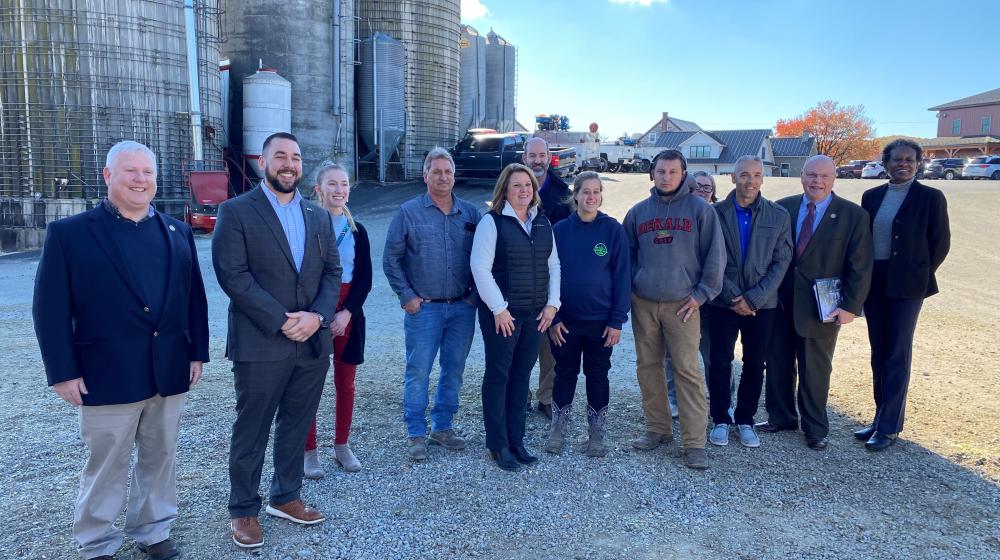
676,246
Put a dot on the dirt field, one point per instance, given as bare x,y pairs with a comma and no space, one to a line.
954,399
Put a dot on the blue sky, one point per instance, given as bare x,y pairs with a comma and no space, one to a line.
743,64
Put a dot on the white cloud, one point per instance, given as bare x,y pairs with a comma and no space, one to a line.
474,9
645,3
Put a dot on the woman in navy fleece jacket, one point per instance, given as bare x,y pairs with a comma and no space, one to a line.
595,292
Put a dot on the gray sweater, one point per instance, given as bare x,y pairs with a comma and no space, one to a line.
676,246
882,224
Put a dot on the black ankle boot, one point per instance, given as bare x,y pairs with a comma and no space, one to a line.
504,459
522,456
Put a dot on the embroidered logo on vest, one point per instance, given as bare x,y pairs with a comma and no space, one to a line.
600,249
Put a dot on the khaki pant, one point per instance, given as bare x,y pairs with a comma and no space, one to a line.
111,432
546,371
657,330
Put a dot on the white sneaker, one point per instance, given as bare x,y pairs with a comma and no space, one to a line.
719,435
748,436
311,467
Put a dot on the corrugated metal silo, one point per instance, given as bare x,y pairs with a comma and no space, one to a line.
472,78
429,30
380,85
77,77
267,108
311,45
501,82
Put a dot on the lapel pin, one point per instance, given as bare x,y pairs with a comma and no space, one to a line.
309,209
171,227
833,216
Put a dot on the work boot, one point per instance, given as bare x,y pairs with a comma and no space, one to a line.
651,440
417,450
596,420
447,439
557,428
311,467
695,458
345,458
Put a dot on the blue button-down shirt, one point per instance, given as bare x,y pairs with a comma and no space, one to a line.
821,207
292,221
744,216
427,252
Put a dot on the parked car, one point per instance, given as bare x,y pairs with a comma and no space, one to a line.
982,167
874,170
944,168
484,155
852,169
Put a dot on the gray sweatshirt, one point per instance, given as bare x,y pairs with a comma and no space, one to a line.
676,246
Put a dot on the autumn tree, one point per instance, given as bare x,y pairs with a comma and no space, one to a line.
842,133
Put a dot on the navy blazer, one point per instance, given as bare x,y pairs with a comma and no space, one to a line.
921,238
91,320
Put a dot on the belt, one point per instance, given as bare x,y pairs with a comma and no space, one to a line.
449,300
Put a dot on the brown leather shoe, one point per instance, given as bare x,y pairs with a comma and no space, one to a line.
246,532
296,511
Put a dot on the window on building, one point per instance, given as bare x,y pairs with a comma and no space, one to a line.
700,152
956,127
651,137
986,125
763,152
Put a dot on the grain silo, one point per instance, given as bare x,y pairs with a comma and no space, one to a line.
429,30
311,45
501,82
77,77
472,79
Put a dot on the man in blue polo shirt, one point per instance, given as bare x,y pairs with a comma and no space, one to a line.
758,240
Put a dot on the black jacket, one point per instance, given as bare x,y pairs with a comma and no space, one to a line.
361,285
91,319
520,266
920,239
555,200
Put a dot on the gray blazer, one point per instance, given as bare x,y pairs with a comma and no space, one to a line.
769,253
254,266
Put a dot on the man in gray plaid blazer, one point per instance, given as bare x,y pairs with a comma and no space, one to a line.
275,256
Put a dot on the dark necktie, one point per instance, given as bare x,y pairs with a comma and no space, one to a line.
806,233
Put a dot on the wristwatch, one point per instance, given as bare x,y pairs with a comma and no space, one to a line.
322,319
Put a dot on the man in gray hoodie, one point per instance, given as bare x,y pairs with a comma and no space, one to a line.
678,259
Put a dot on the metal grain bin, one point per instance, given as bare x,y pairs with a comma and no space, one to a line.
77,77
267,108
472,79
429,31
501,82
380,88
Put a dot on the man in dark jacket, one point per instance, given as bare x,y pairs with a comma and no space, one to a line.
276,258
832,240
758,240
555,196
122,324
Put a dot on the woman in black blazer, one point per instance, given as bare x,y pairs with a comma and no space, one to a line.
347,326
911,239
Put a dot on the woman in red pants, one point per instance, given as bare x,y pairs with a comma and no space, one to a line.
348,324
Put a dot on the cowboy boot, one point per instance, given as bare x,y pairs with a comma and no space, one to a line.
596,420
557,428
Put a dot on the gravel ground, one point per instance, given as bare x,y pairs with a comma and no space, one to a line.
935,495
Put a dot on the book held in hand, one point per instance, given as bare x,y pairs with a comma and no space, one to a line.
828,297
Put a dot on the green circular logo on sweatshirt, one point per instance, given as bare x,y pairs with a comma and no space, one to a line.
600,249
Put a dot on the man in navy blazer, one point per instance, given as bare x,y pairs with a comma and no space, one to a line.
122,323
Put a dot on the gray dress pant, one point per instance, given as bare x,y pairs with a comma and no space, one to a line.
285,392
110,433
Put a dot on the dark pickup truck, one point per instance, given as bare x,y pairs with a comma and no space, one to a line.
852,169
484,155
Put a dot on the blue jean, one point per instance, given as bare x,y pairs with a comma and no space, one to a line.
444,327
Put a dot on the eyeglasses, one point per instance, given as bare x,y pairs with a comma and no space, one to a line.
705,188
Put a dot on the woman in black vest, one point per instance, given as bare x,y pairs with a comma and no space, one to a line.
516,269
911,238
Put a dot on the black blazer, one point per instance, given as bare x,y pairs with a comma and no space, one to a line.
920,239
361,285
255,268
91,320
841,248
